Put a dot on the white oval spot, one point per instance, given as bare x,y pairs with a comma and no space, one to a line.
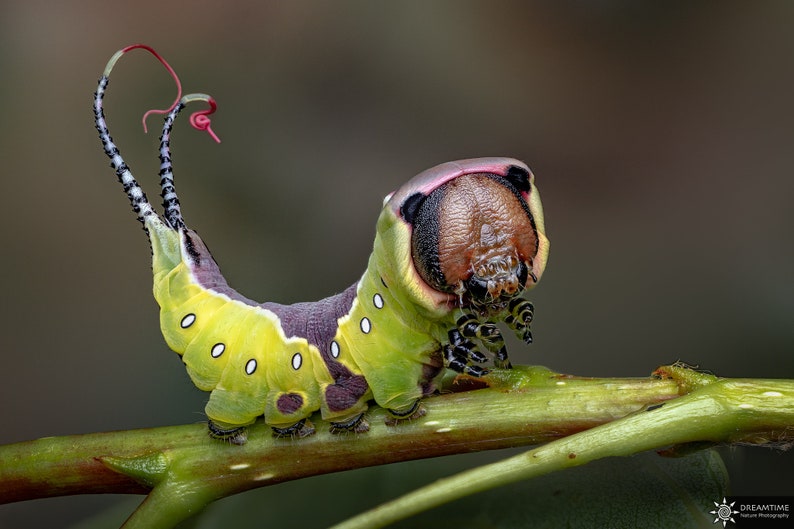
217,350
366,326
772,394
377,300
187,321
444,430
250,367
239,466
264,476
335,349
297,361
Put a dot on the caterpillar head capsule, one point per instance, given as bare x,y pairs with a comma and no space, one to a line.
476,231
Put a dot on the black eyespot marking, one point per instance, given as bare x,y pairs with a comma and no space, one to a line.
426,236
410,206
519,177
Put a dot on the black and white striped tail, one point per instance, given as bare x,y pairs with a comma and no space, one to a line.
140,204
171,210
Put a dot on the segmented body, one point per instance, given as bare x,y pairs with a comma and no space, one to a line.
423,298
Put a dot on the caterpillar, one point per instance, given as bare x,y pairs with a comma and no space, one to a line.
454,250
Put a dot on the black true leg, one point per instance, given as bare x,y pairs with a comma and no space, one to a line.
237,435
489,335
465,348
520,317
460,352
458,361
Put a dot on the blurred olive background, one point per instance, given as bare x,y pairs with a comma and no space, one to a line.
660,135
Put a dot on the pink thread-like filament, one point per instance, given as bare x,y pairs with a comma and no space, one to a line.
170,71
199,120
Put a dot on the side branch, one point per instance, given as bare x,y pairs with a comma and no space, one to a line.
715,411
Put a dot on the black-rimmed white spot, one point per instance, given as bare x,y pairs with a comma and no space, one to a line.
217,350
187,321
366,325
377,300
335,349
250,367
297,361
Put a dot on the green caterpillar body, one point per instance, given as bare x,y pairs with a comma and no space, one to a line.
454,249
289,361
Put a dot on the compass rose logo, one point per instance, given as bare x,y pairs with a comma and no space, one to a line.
724,512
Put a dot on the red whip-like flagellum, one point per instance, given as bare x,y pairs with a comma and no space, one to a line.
199,120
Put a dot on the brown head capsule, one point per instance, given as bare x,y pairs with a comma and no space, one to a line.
475,236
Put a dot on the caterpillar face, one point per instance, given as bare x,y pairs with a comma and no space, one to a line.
476,236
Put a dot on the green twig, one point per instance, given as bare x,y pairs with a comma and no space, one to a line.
183,470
